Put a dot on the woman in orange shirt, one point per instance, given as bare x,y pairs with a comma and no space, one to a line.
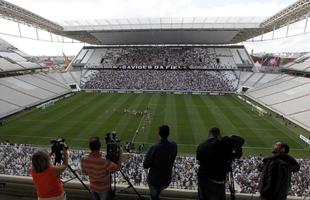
46,177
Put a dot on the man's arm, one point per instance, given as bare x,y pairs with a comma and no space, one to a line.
113,167
148,158
294,165
198,153
83,166
176,150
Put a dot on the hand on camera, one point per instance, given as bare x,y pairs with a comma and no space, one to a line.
65,150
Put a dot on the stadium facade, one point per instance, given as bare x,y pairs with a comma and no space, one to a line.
193,47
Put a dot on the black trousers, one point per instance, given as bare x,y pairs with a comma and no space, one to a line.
210,190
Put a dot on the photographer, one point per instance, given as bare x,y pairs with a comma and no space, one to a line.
99,170
46,177
215,156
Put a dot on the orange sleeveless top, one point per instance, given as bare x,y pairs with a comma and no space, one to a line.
46,183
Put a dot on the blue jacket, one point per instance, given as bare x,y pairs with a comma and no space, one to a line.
159,159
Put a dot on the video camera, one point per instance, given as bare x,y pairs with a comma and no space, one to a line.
57,149
113,147
236,143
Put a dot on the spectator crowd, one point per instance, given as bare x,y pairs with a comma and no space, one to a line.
15,159
180,57
162,80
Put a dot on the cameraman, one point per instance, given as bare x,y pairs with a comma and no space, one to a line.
215,156
46,177
99,171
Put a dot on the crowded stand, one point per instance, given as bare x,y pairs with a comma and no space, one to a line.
168,80
16,160
181,57
247,176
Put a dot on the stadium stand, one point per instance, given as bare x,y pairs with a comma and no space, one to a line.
12,59
266,78
178,56
161,68
283,93
251,79
29,65
7,108
4,45
67,78
12,56
58,77
287,95
22,86
44,84
6,65
161,80
16,161
17,98
302,64
244,76
76,76
20,92
237,57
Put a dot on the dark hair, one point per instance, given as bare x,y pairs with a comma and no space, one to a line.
214,132
94,144
40,161
286,148
164,131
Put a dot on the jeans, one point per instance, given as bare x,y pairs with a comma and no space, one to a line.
100,196
210,190
155,191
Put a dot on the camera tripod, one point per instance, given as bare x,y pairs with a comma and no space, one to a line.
231,184
129,186
307,195
58,160
76,176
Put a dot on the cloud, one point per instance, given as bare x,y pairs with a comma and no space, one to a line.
98,9
58,10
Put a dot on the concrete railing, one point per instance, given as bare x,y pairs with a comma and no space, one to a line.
19,186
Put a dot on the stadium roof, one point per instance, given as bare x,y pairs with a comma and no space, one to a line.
208,30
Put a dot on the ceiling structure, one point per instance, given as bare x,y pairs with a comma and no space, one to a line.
208,30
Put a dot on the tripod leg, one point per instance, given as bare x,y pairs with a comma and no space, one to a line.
131,186
75,174
306,195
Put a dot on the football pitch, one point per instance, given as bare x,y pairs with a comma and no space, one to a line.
136,117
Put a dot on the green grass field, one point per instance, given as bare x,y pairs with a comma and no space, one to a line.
189,117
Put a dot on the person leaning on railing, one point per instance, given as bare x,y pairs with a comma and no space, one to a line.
46,176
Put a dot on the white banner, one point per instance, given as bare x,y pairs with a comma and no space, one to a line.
304,139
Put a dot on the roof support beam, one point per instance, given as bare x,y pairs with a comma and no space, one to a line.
291,14
306,23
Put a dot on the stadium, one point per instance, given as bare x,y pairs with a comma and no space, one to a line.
132,75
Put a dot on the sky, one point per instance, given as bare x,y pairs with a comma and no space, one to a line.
59,10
